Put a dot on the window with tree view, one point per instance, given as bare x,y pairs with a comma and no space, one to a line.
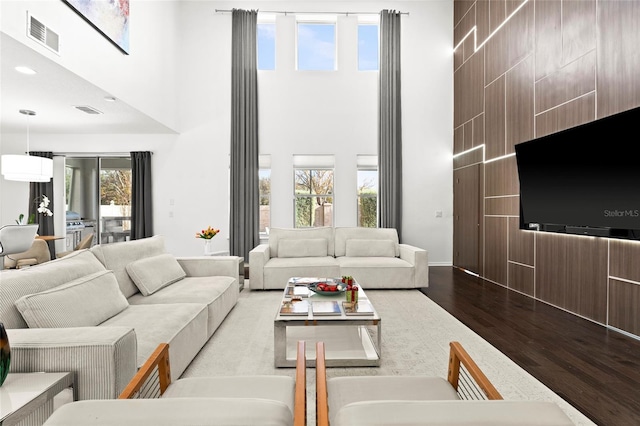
115,199
367,191
313,197
265,199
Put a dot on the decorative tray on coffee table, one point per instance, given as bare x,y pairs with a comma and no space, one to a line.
328,287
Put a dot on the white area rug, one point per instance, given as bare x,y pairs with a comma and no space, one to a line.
415,341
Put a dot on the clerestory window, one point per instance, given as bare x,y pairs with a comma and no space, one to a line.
316,43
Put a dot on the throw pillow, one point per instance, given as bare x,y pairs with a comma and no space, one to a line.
152,273
84,302
370,248
299,247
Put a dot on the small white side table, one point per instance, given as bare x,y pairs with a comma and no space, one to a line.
241,272
22,394
240,265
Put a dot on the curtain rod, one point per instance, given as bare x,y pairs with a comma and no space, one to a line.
285,12
94,154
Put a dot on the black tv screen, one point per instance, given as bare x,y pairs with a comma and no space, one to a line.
583,180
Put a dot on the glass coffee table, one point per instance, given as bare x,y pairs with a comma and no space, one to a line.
24,394
350,340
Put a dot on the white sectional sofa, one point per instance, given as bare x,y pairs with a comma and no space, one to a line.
372,256
101,312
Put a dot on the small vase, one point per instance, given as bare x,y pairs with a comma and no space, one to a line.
5,354
208,247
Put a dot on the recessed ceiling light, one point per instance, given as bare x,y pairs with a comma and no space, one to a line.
109,99
25,70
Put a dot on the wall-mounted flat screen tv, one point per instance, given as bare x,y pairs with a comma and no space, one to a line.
583,180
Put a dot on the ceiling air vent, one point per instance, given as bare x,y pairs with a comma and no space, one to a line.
87,109
42,34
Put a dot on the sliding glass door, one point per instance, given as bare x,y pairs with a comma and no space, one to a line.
98,199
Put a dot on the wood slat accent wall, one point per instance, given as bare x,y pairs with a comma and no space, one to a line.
554,64
624,298
467,196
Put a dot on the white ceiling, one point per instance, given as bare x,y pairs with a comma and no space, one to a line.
53,92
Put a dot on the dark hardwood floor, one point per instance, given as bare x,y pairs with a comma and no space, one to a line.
595,369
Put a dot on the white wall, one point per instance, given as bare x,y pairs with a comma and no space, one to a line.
427,132
317,112
300,113
145,79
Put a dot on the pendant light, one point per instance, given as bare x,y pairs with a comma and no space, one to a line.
27,168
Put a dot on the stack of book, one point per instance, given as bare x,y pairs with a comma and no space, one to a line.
326,307
296,291
294,307
362,307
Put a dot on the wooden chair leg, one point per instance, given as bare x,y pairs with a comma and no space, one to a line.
322,405
300,399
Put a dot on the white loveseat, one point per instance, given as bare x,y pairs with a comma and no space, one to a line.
101,312
372,256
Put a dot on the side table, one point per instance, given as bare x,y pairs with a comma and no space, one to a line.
241,272
24,394
240,266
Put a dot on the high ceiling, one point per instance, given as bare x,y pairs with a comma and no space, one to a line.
54,91
53,94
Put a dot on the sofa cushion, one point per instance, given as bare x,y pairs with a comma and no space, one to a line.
293,247
172,411
379,272
370,248
271,387
182,325
278,270
220,293
152,273
18,283
346,390
117,256
276,234
84,302
452,413
344,234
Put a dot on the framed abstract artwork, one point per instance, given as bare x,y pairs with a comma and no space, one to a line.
109,17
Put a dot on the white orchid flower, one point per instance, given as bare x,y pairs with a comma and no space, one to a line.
42,208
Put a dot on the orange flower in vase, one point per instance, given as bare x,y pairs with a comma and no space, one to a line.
207,235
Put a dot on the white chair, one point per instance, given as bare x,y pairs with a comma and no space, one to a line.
16,239
38,253
85,243
465,398
332,395
151,398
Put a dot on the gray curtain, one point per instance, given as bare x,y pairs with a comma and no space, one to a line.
141,201
244,211
390,122
36,191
